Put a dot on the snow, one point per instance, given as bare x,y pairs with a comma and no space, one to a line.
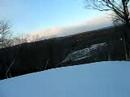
101,79
83,53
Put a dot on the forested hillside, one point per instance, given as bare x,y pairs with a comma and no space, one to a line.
86,47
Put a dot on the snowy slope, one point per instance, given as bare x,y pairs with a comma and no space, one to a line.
83,53
102,79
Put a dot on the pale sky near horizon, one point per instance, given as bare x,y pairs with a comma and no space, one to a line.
36,15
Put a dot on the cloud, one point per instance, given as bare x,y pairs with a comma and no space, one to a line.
45,34
95,23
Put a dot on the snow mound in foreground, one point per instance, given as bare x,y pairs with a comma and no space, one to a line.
101,79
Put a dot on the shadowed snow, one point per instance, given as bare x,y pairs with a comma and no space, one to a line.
101,79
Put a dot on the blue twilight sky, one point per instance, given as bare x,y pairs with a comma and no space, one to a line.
34,15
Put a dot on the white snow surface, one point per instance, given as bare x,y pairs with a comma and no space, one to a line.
101,79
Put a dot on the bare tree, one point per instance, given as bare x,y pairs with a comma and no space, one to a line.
122,15
5,34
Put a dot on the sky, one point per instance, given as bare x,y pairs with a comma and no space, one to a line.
30,16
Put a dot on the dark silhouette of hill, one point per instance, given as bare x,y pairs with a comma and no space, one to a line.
41,55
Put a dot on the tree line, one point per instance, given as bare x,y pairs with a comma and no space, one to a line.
121,11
